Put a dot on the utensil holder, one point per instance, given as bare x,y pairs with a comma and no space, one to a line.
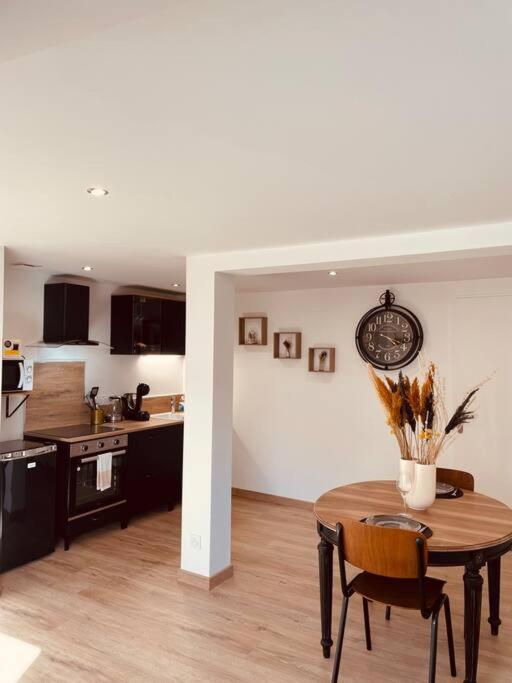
97,416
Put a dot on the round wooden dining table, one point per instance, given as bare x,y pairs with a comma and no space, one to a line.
470,531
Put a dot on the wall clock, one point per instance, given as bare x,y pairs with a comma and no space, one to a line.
389,336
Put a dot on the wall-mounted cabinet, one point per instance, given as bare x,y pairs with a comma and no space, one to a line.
173,327
142,325
287,345
252,331
322,359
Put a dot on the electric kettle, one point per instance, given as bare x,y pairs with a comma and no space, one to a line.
113,409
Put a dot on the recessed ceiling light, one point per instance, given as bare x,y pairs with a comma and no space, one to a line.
176,284
87,268
97,191
332,273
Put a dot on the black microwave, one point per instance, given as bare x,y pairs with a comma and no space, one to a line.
17,374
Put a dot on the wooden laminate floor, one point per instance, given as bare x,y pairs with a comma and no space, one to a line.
111,609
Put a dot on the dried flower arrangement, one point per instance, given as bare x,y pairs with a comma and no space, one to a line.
321,360
252,337
417,416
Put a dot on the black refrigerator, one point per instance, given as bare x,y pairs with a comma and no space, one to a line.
27,502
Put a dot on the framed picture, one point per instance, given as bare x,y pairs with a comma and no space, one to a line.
287,345
252,331
322,359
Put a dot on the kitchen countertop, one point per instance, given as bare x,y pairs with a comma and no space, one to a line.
124,427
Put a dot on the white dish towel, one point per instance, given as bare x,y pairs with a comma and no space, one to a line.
104,471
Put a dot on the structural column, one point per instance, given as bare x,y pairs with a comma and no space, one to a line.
207,456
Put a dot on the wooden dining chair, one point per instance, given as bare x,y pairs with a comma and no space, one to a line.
394,565
457,478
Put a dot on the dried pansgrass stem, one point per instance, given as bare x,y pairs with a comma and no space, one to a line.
416,412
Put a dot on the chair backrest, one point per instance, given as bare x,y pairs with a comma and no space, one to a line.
395,553
457,478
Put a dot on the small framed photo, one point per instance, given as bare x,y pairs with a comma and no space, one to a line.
322,359
287,345
252,331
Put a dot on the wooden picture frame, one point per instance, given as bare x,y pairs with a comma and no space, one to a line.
318,362
294,349
252,330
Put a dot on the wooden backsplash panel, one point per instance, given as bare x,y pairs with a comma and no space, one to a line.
158,404
58,396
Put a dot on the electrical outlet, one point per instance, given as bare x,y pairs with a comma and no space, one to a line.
195,541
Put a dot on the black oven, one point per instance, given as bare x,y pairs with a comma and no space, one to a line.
84,496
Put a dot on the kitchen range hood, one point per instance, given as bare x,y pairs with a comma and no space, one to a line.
66,316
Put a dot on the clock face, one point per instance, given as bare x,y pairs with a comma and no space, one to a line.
389,338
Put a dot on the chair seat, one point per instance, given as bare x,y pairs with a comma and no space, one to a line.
397,592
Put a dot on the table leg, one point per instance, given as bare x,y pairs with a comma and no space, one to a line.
494,578
473,608
325,550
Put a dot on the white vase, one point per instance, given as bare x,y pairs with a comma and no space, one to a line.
423,492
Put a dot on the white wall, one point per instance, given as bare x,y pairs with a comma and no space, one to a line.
270,456
298,434
23,319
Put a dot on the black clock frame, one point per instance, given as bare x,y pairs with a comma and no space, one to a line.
389,305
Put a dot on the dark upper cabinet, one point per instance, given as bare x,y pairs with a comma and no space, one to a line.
173,327
147,325
66,313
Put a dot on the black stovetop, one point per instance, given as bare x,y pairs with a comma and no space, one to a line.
73,431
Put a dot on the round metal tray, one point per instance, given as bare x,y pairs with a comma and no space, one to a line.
394,522
443,489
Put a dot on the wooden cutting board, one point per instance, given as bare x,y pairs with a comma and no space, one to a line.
57,399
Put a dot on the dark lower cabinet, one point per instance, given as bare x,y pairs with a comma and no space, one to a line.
155,460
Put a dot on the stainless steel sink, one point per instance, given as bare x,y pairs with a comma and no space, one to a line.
177,417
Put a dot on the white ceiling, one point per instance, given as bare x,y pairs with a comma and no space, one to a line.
388,274
236,125
25,28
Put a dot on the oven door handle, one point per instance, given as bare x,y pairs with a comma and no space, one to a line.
95,457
